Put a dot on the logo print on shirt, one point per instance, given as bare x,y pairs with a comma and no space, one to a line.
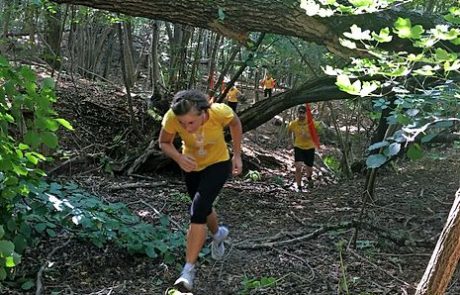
199,142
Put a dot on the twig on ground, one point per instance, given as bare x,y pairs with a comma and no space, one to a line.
293,216
305,237
177,225
351,251
305,262
39,283
135,185
73,160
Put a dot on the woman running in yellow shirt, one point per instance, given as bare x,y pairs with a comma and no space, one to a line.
207,165
232,98
304,147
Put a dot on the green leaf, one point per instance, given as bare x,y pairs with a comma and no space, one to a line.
31,158
221,13
443,124
2,231
416,32
383,36
20,243
48,83
28,73
50,139
6,248
2,273
378,145
27,285
4,62
16,258
51,124
9,262
428,137
65,123
375,161
51,232
394,149
402,27
442,55
23,146
32,138
150,251
415,152
40,227
362,3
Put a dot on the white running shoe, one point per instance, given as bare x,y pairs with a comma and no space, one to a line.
217,244
186,280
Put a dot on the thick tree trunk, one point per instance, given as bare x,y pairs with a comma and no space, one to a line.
321,89
445,256
243,16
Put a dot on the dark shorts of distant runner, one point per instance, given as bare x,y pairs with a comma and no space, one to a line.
268,92
203,187
233,105
305,156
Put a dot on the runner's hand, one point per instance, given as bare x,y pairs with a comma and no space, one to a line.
237,165
187,163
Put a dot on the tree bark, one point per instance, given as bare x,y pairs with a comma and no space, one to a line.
445,256
227,66
243,16
196,60
321,89
154,59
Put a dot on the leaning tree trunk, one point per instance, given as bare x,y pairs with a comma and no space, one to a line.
244,16
446,254
321,89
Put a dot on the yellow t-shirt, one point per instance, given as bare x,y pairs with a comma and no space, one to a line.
207,146
232,95
268,83
302,137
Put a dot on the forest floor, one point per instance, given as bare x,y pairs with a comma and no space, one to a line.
281,241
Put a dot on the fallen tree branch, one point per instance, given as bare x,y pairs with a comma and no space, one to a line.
74,160
398,239
135,185
305,237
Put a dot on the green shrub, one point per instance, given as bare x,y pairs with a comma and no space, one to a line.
27,123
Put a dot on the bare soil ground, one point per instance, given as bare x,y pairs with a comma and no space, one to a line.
302,242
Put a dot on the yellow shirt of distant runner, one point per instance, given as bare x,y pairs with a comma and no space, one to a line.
268,83
207,146
302,137
232,95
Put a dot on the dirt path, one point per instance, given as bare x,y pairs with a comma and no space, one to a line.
308,254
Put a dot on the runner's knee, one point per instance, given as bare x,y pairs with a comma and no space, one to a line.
200,209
